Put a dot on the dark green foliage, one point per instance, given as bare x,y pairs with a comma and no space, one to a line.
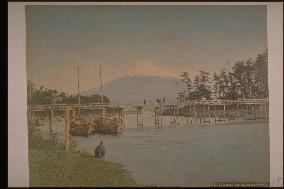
201,83
44,95
261,74
196,89
248,79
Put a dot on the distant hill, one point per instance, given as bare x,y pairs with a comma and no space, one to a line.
131,90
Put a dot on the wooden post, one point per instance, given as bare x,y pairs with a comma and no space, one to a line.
204,113
157,119
120,116
103,112
224,110
253,111
238,112
247,109
139,113
51,121
172,115
177,115
155,115
161,113
215,113
187,114
194,111
229,110
67,127
137,123
260,112
209,111
123,117
142,116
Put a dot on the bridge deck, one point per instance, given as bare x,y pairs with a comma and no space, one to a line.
61,107
99,106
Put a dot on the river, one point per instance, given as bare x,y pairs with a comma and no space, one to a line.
185,155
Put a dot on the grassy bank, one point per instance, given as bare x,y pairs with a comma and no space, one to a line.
51,166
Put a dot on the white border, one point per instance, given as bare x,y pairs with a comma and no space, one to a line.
17,129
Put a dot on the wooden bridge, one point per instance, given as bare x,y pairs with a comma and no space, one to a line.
229,102
208,107
71,109
62,107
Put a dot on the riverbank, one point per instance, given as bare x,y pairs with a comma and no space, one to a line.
50,165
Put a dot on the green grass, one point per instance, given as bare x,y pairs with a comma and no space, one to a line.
51,166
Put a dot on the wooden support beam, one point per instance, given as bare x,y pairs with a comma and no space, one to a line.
224,110
194,112
157,119
139,116
177,115
123,117
50,116
161,114
137,123
215,113
142,117
67,128
209,111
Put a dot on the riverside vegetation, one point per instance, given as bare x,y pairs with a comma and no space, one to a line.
50,165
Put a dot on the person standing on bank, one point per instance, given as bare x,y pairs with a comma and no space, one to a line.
100,150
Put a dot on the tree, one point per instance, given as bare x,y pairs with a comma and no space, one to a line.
261,74
221,82
202,88
238,74
186,95
44,95
248,79
232,88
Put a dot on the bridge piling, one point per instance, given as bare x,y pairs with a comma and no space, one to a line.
157,119
50,116
67,128
139,118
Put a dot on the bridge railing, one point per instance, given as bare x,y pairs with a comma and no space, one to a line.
227,102
63,106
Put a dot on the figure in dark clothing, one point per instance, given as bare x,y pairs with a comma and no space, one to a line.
100,150
159,101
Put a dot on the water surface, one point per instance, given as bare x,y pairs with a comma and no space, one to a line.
185,155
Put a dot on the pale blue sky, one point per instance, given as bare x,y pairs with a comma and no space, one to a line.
171,38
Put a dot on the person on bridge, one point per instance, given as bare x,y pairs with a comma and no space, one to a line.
100,150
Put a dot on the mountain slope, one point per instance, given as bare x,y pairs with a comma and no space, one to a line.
133,89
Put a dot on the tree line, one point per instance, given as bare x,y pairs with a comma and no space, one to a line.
247,79
44,95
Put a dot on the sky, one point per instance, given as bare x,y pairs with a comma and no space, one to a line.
137,40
